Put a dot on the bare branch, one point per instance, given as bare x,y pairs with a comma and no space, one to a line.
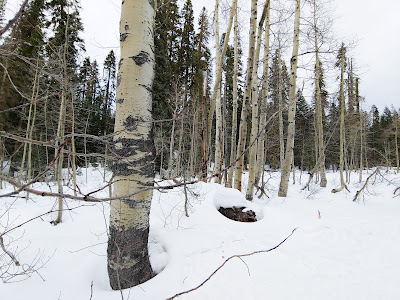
228,259
15,19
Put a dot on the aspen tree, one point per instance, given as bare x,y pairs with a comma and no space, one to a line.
321,149
219,151
255,114
235,99
218,71
360,116
246,99
263,102
342,64
396,136
285,172
280,108
128,261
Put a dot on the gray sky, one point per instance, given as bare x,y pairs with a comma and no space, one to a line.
374,24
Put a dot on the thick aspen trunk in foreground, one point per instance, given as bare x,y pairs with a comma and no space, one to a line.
285,173
128,261
246,99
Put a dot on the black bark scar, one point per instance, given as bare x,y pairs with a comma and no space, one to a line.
141,58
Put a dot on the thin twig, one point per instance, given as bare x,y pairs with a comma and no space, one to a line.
228,259
16,262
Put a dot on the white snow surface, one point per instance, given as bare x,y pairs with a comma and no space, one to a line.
351,252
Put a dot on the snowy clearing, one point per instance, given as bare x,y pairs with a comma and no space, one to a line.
340,250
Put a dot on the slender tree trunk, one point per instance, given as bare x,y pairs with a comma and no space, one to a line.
263,102
172,139
361,132
255,109
204,129
342,128
321,148
218,70
28,126
235,101
73,147
219,151
61,128
280,112
283,187
243,117
128,261
180,152
396,136
29,163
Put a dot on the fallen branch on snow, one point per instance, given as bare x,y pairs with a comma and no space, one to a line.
365,184
228,259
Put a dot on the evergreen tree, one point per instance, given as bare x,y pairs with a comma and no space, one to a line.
304,142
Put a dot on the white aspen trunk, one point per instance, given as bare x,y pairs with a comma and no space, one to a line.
396,135
263,102
285,173
218,104
128,261
1,161
28,126
218,70
342,128
29,162
179,158
193,144
61,129
73,156
60,159
235,101
246,99
280,112
204,166
172,139
362,145
321,148
255,113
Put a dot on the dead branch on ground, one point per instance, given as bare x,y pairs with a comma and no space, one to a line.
228,259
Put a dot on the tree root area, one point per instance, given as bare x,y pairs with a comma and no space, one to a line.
237,214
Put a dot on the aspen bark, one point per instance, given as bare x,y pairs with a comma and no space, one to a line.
218,104
280,110
321,148
254,113
218,70
246,99
61,128
396,136
359,112
342,126
172,139
235,100
128,261
263,102
285,172
204,129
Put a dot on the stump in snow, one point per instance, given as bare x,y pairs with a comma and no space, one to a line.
237,214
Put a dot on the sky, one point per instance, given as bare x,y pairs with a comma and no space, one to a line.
372,24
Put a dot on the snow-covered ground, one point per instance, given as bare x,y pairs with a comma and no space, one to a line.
352,251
